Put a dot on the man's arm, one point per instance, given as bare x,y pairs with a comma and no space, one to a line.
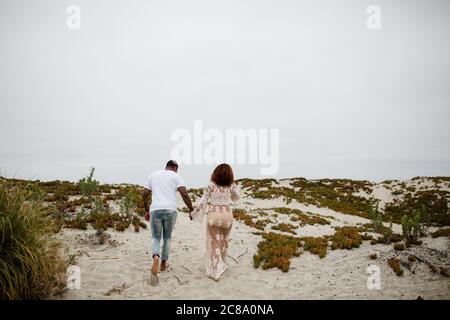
146,196
186,198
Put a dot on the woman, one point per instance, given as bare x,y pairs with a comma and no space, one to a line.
215,204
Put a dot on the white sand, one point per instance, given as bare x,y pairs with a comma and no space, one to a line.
122,271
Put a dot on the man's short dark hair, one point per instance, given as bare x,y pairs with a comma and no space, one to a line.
172,164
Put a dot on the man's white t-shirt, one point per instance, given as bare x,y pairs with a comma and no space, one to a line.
164,185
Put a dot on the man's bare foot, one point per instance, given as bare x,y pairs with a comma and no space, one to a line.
154,272
164,266
155,264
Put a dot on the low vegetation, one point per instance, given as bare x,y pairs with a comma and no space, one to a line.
242,215
394,263
276,251
336,194
445,232
412,226
316,245
88,185
342,195
298,215
432,203
285,227
253,185
30,265
346,238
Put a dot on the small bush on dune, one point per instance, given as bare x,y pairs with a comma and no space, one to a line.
316,245
30,267
285,227
377,220
100,216
346,238
412,226
88,185
377,226
276,250
242,215
127,204
394,263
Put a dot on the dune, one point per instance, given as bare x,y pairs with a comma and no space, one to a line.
118,267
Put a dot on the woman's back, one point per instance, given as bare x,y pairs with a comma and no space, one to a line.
220,195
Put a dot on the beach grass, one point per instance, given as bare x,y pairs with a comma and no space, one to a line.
30,264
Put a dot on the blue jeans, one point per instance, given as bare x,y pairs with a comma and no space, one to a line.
162,222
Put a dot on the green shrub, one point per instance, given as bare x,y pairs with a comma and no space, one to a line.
127,204
88,185
276,250
316,245
377,220
241,215
285,227
394,263
412,227
346,238
30,266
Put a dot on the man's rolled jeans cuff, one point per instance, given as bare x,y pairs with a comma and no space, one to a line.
155,254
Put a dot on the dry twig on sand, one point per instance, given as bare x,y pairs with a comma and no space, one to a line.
105,258
246,250
186,269
232,258
176,277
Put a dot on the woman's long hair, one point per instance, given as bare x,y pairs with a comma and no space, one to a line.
223,175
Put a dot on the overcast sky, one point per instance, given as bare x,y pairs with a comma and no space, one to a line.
348,101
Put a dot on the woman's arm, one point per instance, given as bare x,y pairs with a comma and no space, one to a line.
200,206
205,196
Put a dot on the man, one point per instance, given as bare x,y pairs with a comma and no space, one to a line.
162,214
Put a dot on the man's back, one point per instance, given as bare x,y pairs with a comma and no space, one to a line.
164,185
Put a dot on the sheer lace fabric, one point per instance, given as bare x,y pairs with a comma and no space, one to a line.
215,205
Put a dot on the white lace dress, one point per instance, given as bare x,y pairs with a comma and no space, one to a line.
215,205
